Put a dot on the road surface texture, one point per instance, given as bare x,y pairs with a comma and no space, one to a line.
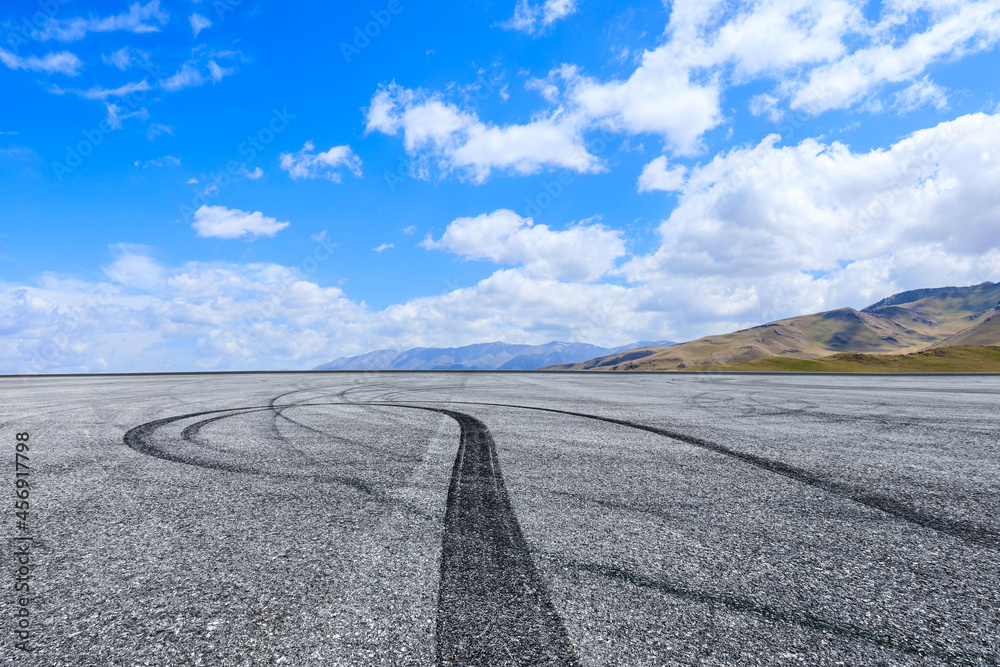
508,519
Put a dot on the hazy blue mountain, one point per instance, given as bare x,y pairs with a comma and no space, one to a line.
481,356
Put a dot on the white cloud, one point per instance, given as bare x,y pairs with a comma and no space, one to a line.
656,176
223,223
125,57
955,29
255,174
165,161
115,117
191,181
384,246
226,316
328,164
458,141
156,129
581,253
409,229
133,267
192,74
98,93
199,23
531,18
138,19
921,94
217,72
63,62
827,227
819,56
766,105
760,232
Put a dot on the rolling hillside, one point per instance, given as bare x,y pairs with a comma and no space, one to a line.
903,323
954,359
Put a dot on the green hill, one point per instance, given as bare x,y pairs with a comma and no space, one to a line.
957,359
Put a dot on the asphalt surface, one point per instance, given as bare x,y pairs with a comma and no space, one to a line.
493,519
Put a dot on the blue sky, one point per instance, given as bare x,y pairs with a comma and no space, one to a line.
230,184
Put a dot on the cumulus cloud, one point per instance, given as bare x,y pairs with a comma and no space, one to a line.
818,56
531,18
63,62
145,316
580,253
383,247
458,141
955,29
830,227
329,164
224,223
760,232
657,176
138,19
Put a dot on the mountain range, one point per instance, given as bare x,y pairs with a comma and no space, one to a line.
904,323
481,356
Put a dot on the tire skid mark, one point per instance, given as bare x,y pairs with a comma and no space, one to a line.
967,531
493,607
138,439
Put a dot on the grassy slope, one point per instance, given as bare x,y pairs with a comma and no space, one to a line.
958,359
901,324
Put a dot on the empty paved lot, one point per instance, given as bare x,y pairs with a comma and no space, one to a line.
475,518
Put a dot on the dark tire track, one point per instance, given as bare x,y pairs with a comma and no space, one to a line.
967,531
138,439
493,607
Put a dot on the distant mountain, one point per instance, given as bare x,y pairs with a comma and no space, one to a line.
481,356
900,324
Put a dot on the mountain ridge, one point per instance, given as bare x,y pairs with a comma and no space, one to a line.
904,323
495,355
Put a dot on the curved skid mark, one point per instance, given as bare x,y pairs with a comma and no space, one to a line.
137,439
493,606
190,433
963,530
